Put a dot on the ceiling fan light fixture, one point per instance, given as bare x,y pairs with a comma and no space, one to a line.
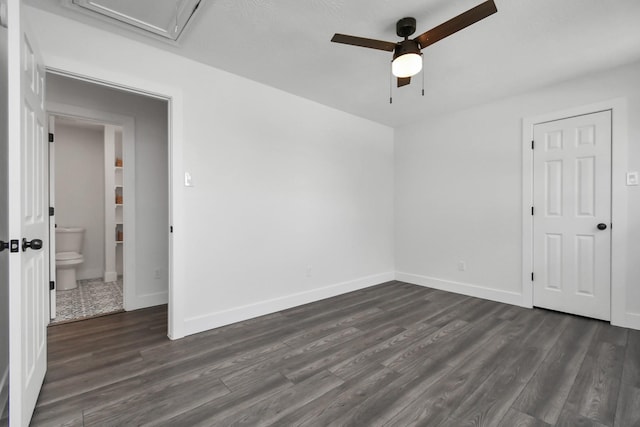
407,65
407,59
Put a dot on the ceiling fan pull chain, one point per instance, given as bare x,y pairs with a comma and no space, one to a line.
422,74
391,84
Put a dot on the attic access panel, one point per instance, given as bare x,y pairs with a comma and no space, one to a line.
165,18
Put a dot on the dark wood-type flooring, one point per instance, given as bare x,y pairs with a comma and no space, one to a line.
394,354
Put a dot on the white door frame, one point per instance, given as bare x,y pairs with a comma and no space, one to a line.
173,96
619,145
129,213
52,218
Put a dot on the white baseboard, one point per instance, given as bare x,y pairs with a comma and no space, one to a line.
193,325
144,301
4,391
110,276
463,288
91,273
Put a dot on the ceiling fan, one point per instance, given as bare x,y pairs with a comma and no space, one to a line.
407,58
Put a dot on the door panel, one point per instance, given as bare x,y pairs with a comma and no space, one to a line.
572,195
28,195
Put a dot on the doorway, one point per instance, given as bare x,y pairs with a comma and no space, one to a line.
136,171
619,227
86,234
572,215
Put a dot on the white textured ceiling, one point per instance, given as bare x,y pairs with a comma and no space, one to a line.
285,44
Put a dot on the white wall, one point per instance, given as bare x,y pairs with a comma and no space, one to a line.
79,182
281,183
151,192
4,226
459,197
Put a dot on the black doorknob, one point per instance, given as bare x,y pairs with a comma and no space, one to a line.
34,244
602,226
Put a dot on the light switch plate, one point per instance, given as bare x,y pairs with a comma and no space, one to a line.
188,180
632,178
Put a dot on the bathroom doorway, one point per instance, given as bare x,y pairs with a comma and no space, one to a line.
134,196
86,163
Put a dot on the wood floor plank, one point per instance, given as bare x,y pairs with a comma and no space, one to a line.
322,360
394,354
312,333
569,418
628,410
455,311
546,393
488,403
205,414
451,348
515,418
353,366
287,359
272,408
594,394
159,402
447,394
419,414
382,406
631,372
337,402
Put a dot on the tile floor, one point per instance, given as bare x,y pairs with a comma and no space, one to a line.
91,298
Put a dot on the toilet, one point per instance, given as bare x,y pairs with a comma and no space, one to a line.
68,256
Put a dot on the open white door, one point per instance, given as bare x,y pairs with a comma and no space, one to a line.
28,221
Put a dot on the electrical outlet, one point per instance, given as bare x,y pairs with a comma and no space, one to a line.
462,266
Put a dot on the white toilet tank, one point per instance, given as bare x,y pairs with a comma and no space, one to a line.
69,239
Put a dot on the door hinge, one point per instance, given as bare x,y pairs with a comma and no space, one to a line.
51,138
171,229
52,285
52,211
531,210
532,277
533,144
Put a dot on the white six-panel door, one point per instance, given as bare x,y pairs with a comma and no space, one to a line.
572,215
28,220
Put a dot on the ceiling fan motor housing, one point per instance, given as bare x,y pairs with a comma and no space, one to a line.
406,46
405,27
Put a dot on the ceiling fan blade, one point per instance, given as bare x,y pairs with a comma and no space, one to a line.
363,42
403,81
456,24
